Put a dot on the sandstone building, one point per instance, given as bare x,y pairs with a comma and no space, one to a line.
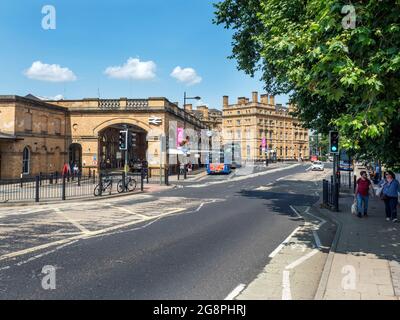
264,129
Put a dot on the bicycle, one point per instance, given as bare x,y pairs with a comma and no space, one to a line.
130,185
102,187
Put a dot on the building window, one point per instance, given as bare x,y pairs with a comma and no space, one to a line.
28,121
57,126
238,122
26,157
44,124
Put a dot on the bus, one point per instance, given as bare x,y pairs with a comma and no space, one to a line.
219,162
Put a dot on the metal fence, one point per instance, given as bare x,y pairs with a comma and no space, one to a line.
58,187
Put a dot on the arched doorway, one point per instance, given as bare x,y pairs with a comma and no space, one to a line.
111,157
75,154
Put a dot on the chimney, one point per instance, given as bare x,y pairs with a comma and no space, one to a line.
188,107
255,97
204,111
264,99
226,101
272,100
241,100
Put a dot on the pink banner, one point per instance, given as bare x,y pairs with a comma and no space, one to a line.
264,143
180,136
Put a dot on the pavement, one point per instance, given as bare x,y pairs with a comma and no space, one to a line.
364,263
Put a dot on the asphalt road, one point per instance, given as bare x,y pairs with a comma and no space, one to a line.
202,254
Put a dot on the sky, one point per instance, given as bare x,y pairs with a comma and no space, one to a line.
119,48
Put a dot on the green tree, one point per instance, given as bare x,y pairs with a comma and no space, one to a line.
339,75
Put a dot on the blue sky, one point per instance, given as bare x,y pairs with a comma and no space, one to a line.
94,36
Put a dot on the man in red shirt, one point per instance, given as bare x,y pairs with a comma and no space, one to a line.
362,194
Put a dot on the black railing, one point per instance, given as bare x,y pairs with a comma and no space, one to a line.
58,187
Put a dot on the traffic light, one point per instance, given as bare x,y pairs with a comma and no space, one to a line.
123,140
334,142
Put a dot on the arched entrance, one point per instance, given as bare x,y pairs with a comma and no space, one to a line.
110,157
75,155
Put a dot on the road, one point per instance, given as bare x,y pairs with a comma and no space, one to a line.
207,238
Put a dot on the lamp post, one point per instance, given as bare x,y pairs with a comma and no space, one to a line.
185,98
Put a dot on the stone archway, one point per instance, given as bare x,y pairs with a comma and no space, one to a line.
111,157
75,154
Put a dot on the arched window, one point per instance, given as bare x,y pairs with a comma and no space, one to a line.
26,159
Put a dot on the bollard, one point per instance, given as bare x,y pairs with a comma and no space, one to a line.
178,169
94,176
100,183
185,172
37,189
336,197
51,178
90,172
124,181
79,179
63,188
142,173
56,177
167,176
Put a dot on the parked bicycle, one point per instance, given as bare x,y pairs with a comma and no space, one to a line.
130,185
103,187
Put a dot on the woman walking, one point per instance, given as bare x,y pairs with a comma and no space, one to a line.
362,194
390,195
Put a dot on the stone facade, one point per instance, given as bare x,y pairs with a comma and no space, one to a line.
264,129
51,129
41,129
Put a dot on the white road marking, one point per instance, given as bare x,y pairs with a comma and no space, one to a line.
45,253
296,212
286,292
284,243
200,206
128,211
235,292
76,224
302,260
5,268
82,236
317,239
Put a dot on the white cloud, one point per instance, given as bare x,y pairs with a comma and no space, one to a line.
186,75
49,72
133,69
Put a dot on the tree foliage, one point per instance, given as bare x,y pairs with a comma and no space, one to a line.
338,77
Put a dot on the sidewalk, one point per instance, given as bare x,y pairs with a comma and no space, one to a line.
364,263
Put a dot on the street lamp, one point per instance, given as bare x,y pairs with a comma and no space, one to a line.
185,98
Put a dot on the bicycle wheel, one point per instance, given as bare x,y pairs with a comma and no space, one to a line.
120,187
97,191
131,185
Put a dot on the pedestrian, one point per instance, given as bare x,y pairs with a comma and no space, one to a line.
76,170
390,195
362,194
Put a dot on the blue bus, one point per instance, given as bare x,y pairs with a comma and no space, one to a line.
219,162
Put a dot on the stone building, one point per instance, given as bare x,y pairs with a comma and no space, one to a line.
264,129
41,136
34,137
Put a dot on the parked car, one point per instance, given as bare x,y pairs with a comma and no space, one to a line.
317,166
